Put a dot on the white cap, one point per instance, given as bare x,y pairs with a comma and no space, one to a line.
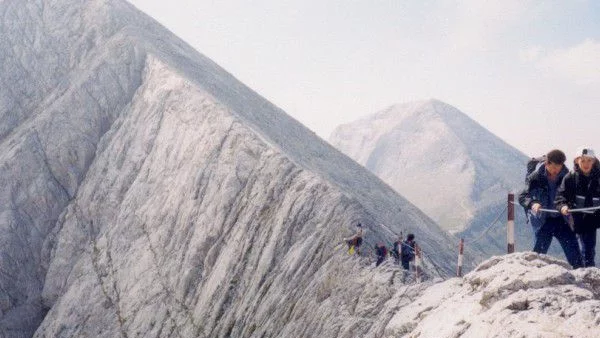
586,152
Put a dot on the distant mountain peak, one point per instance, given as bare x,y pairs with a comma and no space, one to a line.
437,156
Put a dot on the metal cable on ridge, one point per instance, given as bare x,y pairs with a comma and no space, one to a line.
586,210
477,239
435,266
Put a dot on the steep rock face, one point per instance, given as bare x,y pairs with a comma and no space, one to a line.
194,226
48,46
518,295
200,228
452,168
60,94
145,191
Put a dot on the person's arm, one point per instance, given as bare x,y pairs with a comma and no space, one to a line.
565,195
525,198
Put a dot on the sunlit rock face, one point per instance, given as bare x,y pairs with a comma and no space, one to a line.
518,295
144,191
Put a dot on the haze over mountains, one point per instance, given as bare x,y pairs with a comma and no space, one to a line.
146,192
448,165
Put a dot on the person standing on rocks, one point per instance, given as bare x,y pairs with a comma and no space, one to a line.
381,253
540,193
581,189
407,251
396,249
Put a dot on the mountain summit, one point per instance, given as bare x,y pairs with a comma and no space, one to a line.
444,162
146,192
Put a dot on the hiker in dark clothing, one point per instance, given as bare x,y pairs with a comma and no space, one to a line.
407,251
356,240
581,189
397,248
381,253
542,186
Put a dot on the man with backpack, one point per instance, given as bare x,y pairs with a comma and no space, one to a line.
540,192
407,251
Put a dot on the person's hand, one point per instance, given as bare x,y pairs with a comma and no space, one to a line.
535,208
564,210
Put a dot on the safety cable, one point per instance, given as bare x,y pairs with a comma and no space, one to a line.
586,210
489,227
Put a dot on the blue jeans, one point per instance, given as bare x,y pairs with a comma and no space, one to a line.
546,228
587,239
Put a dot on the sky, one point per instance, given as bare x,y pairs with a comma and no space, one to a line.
528,71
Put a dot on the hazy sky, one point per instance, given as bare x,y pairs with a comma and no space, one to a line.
529,71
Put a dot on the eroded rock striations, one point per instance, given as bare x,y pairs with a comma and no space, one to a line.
144,191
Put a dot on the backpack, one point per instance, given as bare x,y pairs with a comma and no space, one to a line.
407,251
532,165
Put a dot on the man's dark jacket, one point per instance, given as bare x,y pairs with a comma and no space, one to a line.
580,191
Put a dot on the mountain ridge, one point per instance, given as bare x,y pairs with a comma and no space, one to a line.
441,160
156,195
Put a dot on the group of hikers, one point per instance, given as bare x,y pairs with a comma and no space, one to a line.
403,250
558,202
564,204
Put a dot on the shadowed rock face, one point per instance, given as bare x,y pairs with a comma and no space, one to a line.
144,191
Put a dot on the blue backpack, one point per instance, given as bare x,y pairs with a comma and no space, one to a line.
407,251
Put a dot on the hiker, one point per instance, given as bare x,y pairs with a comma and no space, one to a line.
396,250
407,251
581,189
355,241
540,193
381,253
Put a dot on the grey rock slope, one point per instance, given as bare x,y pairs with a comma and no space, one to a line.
517,295
146,192
444,162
